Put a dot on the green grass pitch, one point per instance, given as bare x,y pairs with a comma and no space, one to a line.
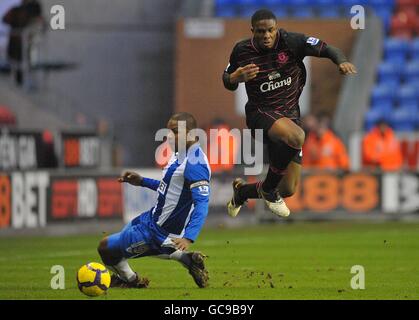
286,261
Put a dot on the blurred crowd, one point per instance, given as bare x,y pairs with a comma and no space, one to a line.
323,148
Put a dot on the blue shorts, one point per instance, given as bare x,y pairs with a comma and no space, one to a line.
140,238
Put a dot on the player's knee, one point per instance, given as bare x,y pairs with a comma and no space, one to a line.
102,248
296,138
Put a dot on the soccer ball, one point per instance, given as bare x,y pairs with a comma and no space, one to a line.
93,279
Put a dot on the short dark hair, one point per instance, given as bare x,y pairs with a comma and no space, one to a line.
187,117
262,14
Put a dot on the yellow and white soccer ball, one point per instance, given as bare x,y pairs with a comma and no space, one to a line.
93,279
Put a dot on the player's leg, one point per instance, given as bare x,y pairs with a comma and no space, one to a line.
114,260
288,184
286,188
285,140
285,143
193,261
115,251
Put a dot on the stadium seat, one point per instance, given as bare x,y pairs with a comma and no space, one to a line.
396,50
403,118
414,84
414,49
411,71
393,82
385,107
382,94
386,6
331,12
276,3
302,12
278,7
372,116
226,12
280,12
247,11
226,8
325,3
248,2
407,95
300,3
383,3
385,14
396,59
350,3
388,70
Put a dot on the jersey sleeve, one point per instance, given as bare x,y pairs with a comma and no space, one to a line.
315,47
231,67
233,62
198,176
150,183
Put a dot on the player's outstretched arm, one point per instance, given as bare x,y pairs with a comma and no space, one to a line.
311,46
135,179
347,68
337,56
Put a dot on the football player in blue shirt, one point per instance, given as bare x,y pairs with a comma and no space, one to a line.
167,229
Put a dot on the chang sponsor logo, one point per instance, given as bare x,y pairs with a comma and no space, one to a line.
270,86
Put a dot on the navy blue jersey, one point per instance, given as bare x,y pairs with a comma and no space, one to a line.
282,74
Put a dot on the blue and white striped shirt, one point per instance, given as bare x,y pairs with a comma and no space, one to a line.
183,194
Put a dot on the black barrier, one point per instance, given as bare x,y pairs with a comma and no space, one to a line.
80,150
25,150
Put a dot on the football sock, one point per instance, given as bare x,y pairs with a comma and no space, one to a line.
247,191
182,256
123,270
280,155
272,180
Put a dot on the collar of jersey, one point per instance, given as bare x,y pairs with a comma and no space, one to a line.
192,148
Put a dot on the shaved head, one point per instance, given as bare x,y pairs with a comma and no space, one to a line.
187,117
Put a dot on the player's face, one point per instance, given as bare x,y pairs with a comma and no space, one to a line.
173,135
265,33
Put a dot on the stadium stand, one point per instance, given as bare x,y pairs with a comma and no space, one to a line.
303,9
397,78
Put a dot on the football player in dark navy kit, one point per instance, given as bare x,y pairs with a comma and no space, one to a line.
270,64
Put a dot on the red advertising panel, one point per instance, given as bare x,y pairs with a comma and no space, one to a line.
63,199
5,210
83,197
110,198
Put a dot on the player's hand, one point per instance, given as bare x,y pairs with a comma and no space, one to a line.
181,244
347,68
244,74
132,178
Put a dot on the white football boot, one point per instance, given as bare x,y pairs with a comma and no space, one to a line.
274,202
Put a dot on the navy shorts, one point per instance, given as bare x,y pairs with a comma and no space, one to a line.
264,119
